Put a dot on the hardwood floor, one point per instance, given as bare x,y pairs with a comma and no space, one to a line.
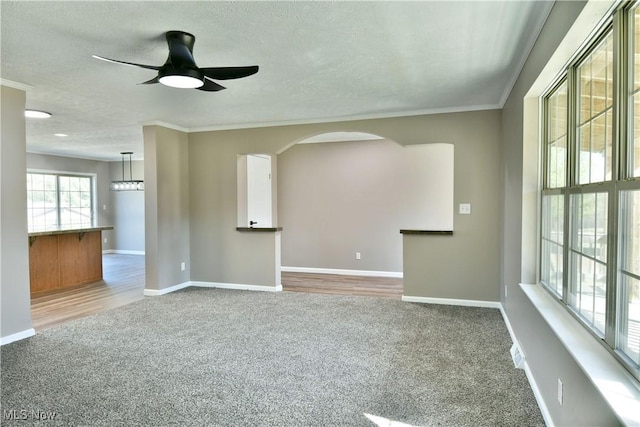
123,283
381,287
124,279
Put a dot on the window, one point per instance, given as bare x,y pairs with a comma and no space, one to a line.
590,198
59,200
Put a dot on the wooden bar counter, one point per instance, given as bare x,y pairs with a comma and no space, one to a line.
64,258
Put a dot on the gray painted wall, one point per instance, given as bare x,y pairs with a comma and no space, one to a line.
221,254
166,207
339,198
128,210
15,300
104,217
546,357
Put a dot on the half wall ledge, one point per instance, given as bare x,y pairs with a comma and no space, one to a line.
432,232
259,229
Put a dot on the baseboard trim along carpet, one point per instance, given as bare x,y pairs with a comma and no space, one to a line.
122,252
342,272
158,292
17,336
237,286
546,415
450,301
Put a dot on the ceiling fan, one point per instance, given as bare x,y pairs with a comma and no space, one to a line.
180,69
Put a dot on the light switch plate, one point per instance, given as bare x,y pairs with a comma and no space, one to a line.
465,208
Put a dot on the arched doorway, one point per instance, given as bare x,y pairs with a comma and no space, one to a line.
343,198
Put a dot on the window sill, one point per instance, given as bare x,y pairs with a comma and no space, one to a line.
616,385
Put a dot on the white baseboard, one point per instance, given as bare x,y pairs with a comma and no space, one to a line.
122,252
17,336
509,328
368,273
536,393
158,292
449,301
242,287
532,382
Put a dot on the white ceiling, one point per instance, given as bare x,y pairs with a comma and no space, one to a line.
319,61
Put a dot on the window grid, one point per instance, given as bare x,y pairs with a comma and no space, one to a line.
59,200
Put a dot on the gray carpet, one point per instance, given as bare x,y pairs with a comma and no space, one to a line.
206,357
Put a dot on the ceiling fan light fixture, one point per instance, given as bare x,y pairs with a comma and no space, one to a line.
182,79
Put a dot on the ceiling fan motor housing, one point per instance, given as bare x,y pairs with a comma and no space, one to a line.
183,37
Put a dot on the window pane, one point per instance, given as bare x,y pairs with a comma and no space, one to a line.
557,137
588,258
629,313
41,201
63,182
595,104
629,275
552,242
630,231
633,151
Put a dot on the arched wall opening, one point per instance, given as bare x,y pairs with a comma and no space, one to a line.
343,198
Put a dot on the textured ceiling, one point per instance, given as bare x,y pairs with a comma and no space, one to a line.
319,61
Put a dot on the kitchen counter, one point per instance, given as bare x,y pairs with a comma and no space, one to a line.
65,257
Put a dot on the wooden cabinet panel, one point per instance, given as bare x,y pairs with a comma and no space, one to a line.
44,270
65,260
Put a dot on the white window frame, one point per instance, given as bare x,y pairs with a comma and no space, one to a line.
58,173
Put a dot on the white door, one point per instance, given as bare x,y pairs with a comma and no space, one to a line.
259,190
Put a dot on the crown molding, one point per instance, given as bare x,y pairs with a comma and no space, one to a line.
15,85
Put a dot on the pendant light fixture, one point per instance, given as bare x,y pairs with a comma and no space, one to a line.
131,184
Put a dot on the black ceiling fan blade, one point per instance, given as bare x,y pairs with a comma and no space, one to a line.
149,67
227,73
152,81
210,86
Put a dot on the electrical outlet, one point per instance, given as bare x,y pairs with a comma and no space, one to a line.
464,208
183,266
560,392
357,255
105,240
